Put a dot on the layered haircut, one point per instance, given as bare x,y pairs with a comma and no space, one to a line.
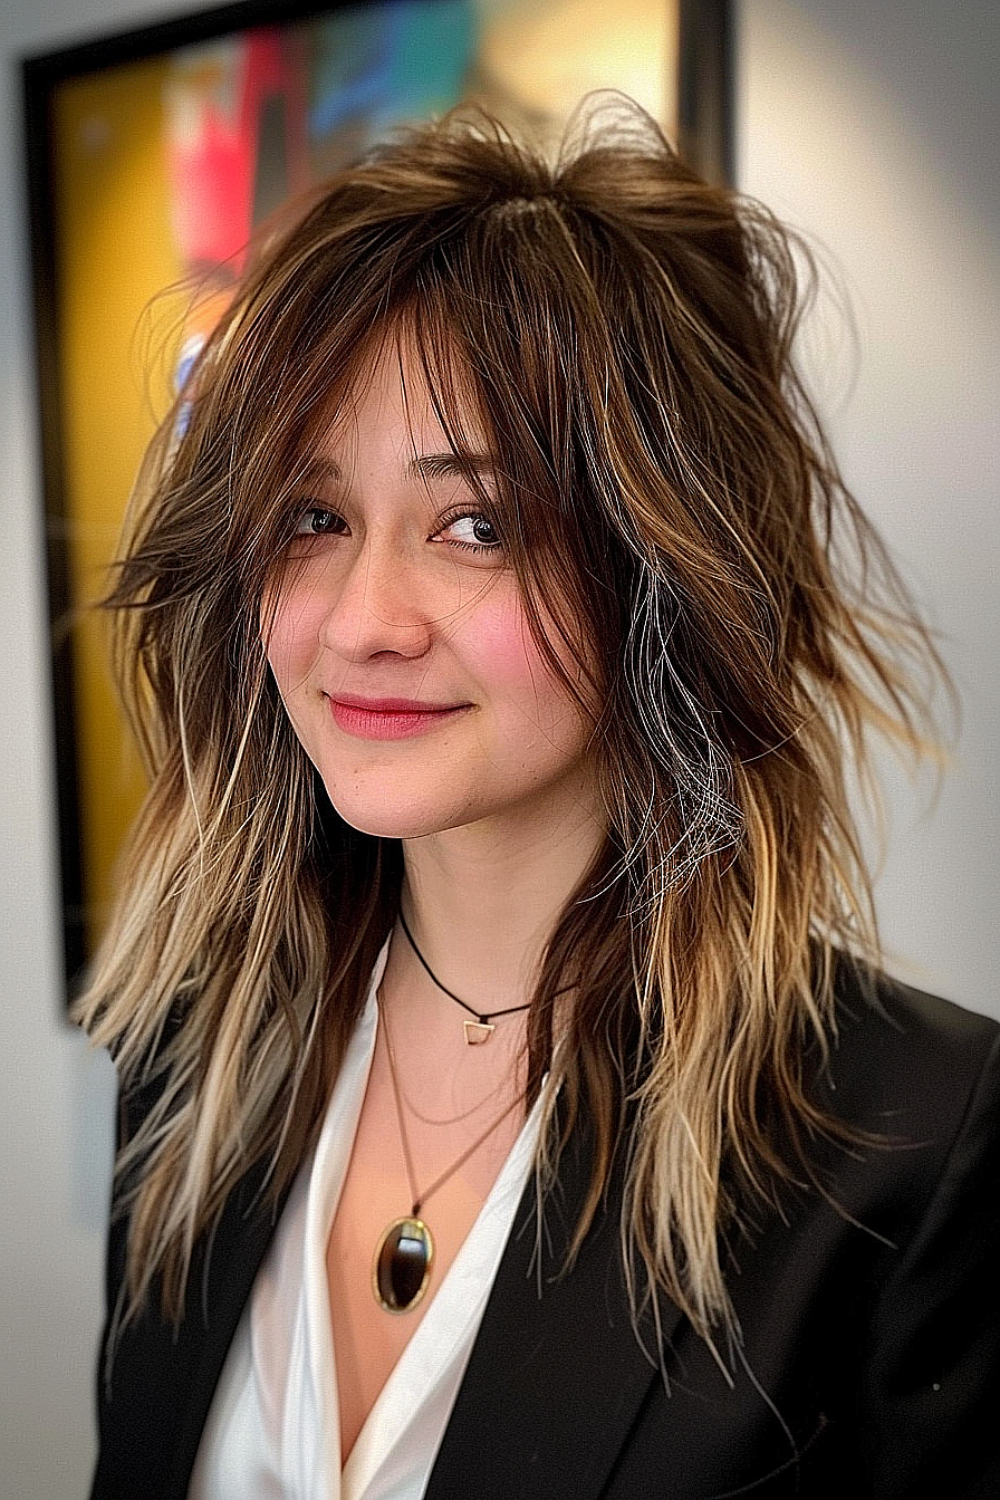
620,333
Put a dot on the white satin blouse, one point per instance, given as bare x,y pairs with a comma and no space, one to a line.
273,1431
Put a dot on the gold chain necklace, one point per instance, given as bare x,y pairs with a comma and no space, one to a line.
404,1255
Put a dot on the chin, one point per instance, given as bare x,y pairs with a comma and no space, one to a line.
405,817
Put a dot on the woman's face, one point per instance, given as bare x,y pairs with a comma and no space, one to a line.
398,639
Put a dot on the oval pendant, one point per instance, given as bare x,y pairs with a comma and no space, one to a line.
402,1265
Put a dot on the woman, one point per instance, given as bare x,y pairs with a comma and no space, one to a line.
495,987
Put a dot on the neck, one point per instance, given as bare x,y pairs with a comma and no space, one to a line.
482,908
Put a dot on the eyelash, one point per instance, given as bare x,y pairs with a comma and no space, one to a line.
446,521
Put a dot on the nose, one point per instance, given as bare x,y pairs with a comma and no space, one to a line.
379,601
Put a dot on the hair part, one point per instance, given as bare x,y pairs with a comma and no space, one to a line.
621,333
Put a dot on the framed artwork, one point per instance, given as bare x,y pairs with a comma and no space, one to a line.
153,155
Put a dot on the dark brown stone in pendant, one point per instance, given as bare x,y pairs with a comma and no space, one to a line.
402,1265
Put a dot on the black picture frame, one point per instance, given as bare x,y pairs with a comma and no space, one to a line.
705,136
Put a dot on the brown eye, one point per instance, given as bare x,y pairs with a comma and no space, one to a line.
319,522
484,531
474,532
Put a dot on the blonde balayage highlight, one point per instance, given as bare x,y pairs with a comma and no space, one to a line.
622,335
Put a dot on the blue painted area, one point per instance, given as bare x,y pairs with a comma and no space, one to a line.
381,65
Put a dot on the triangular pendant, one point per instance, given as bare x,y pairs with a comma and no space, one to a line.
478,1032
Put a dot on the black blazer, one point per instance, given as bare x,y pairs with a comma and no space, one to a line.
870,1356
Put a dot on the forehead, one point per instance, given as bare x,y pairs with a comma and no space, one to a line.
390,429
395,414
392,393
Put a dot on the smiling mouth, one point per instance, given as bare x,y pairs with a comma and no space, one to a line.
390,718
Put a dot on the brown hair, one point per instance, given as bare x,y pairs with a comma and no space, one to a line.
624,332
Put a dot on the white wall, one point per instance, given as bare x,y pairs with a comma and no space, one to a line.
872,125
55,1099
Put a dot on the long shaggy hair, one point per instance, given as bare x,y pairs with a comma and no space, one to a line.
622,333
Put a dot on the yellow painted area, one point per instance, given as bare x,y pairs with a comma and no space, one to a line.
115,254
548,56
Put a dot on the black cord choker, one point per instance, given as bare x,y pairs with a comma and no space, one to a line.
481,1027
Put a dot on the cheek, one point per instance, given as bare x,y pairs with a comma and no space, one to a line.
290,633
512,667
502,647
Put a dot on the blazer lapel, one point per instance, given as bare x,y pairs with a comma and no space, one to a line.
219,1290
524,1423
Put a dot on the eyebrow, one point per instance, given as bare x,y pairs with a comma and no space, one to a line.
442,465
425,466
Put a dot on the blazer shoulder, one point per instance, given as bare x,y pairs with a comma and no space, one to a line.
866,996
900,1054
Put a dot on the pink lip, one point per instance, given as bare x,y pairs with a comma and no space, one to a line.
389,718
